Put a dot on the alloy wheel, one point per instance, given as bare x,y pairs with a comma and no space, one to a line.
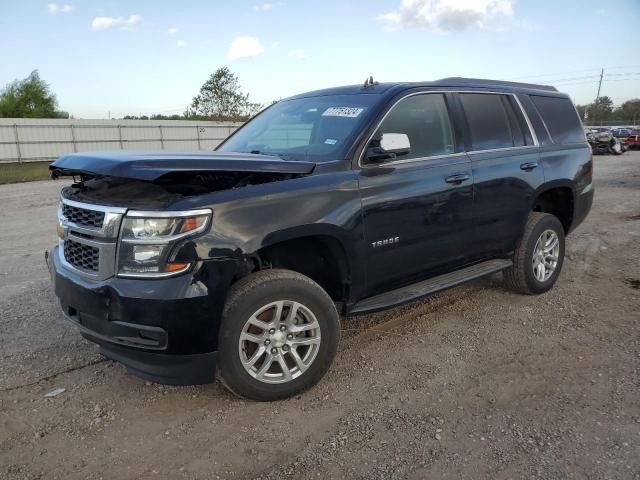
545,255
279,342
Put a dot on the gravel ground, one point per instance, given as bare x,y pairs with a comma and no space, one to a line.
477,382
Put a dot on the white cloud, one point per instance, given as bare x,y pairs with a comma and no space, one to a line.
265,7
243,47
298,53
447,15
181,43
103,23
173,30
55,8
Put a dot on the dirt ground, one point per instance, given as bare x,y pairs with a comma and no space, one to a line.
475,383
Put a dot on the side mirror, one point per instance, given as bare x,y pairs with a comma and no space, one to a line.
390,146
397,143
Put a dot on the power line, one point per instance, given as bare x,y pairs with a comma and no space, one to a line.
559,73
606,76
577,71
621,74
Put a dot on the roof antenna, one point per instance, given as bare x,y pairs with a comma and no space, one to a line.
369,82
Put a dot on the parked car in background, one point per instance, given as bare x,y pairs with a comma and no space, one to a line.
621,133
633,139
603,142
598,129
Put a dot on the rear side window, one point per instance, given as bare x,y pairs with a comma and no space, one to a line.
488,120
560,117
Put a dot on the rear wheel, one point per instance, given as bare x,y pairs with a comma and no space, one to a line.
279,334
539,257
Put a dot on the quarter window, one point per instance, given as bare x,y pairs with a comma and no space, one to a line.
561,118
425,120
489,124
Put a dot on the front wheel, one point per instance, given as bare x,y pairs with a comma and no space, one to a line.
279,334
538,258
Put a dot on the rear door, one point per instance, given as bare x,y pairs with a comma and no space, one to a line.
506,168
417,207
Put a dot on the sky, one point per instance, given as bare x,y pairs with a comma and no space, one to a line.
115,57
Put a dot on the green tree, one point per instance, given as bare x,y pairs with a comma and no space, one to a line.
600,110
629,111
29,98
221,98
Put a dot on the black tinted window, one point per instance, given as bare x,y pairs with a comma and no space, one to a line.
489,124
560,117
425,120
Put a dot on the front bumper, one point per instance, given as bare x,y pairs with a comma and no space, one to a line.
164,330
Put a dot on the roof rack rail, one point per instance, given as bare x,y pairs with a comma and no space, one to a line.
482,81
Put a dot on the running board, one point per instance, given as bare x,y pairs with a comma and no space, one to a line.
427,287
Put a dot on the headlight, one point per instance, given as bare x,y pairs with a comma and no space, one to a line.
147,240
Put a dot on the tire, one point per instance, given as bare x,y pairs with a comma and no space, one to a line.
258,297
523,276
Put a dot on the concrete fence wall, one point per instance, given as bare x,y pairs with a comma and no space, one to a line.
36,140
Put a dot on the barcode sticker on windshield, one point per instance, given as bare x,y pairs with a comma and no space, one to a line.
350,112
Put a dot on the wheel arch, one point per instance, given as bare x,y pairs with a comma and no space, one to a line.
316,251
558,199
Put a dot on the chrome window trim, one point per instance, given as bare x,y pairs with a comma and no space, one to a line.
536,144
503,149
544,124
421,159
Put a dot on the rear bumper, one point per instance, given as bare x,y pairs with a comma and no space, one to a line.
582,205
162,330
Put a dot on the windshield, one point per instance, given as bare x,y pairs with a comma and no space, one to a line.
312,128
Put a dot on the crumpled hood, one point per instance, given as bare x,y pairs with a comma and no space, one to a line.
150,166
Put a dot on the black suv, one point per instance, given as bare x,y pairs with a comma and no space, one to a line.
328,204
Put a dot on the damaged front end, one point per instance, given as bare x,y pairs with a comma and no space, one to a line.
156,180
132,262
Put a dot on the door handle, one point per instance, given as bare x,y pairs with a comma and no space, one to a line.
457,178
527,167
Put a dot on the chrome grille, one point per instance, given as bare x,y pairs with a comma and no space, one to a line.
89,238
83,216
82,256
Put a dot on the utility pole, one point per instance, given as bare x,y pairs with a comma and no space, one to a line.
600,84
595,103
